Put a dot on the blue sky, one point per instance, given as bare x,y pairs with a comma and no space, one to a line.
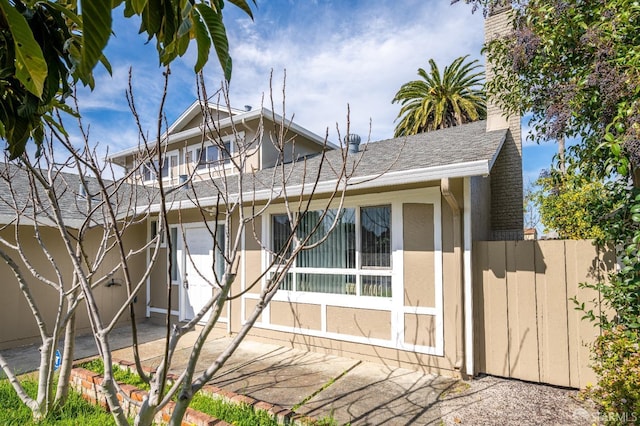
335,53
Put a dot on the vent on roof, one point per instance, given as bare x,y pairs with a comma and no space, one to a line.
183,181
353,142
247,108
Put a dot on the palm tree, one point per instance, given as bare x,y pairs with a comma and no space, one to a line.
436,102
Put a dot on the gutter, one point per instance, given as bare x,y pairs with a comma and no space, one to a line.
468,280
459,170
457,244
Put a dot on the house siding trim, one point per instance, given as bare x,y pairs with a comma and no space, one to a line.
394,306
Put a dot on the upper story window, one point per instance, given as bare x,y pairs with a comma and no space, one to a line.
167,169
214,155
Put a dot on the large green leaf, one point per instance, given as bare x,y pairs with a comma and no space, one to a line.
203,41
213,21
244,5
96,18
31,68
152,18
138,6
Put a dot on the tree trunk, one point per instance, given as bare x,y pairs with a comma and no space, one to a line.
67,362
561,160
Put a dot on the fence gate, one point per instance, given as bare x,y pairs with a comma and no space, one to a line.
526,325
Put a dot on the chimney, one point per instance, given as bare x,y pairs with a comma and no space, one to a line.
353,142
507,221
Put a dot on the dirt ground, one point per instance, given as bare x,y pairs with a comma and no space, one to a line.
495,401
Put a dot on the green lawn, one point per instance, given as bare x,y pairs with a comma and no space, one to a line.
77,411
236,414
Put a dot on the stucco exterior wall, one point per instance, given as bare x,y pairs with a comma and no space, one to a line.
355,324
480,191
419,282
18,326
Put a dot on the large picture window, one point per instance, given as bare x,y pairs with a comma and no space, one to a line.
353,258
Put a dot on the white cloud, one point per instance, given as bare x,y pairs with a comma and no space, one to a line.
360,59
335,53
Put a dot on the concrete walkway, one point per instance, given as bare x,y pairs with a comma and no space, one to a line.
361,393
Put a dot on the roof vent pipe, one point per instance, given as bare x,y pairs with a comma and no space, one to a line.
247,108
183,181
353,141
82,191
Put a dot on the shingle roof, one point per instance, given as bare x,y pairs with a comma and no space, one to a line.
449,152
442,153
73,204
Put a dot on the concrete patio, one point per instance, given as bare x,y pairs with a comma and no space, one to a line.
352,391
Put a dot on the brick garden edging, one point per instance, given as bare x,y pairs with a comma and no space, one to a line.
89,385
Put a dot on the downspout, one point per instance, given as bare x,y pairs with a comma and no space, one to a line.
457,252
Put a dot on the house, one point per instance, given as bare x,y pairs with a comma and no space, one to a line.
394,280
238,132
403,299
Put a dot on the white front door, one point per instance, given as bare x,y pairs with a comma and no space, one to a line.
198,277
199,263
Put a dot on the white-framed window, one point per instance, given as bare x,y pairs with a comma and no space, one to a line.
354,259
173,171
176,246
213,155
154,229
168,168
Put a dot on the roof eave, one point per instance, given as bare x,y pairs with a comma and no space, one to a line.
118,157
457,170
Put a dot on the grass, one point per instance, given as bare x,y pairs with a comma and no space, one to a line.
76,411
236,414
121,375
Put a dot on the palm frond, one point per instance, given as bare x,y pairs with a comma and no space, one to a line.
442,100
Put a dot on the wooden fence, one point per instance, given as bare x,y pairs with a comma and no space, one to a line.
526,325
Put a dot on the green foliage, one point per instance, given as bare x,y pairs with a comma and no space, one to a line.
574,67
438,101
617,363
76,411
119,374
236,414
48,46
36,47
572,205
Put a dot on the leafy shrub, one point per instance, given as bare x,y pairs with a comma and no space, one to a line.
616,358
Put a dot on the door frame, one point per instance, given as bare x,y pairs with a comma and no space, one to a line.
182,258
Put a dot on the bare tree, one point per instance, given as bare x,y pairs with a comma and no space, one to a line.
237,195
241,197
67,234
